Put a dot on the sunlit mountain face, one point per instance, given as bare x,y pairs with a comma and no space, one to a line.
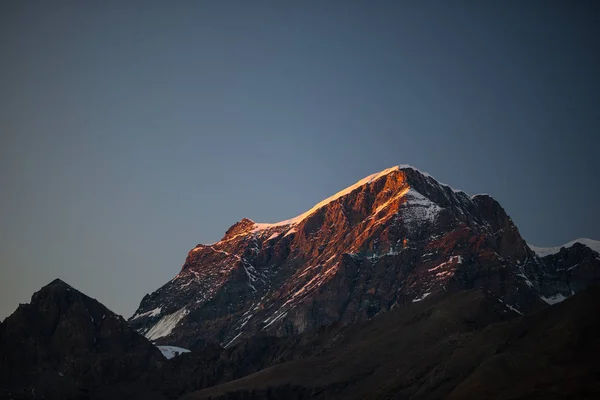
394,237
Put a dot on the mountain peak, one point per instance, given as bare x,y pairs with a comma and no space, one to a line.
393,237
372,200
58,283
246,225
55,288
65,333
365,181
240,227
407,174
546,251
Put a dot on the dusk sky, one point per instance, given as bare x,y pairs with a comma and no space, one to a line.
131,133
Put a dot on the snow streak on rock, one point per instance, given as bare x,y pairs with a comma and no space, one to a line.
166,324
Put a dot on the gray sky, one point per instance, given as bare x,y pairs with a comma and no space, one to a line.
130,133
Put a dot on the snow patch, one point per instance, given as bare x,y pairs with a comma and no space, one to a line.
166,324
422,297
557,298
513,309
527,281
250,273
402,193
232,340
418,208
151,313
390,252
274,318
172,351
444,274
509,306
290,232
452,260
274,236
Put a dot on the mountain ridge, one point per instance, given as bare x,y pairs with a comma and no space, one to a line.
393,237
546,251
247,223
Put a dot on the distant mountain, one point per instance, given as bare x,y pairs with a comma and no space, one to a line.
569,269
546,251
392,238
66,345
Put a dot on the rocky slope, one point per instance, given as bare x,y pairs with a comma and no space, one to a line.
394,237
465,345
569,268
65,344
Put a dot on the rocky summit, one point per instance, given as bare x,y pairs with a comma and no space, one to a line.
394,237
66,345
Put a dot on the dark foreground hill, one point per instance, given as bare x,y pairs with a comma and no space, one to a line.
66,345
456,345
459,345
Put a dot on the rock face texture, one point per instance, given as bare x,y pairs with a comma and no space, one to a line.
395,237
65,344
569,270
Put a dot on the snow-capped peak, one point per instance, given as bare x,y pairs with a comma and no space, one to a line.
428,175
349,189
246,226
546,251
369,179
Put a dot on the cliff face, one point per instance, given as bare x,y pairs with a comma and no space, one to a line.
394,237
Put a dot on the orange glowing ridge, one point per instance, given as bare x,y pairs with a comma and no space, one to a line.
349,189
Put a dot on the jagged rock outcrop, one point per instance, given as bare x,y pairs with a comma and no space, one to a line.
394,237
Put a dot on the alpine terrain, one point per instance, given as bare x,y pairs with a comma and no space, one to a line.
397,287
394,237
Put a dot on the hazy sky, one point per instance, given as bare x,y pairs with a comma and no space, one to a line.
130,133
